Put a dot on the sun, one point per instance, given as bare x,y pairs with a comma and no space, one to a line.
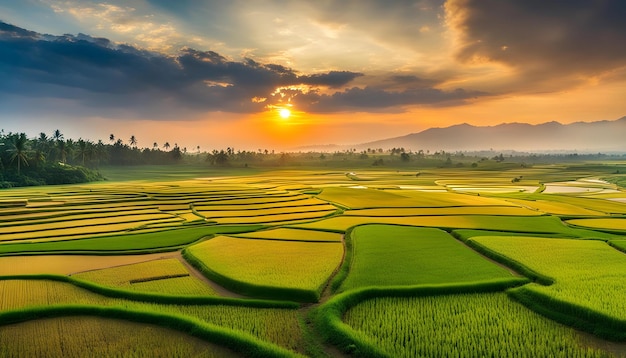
284,113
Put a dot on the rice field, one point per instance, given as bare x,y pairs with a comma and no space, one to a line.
389,255
293,235
168,276
601,224
389,243
251,265
275,325
467,325
101,337
581,269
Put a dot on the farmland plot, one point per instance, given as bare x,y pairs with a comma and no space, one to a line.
163,275
277,325
388,255
468,325
269,267
100,337
580,269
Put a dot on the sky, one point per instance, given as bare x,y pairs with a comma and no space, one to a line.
219,74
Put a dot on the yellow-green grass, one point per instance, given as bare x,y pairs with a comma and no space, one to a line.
183,285
261,199
275,219
556,208
464,325
390,255
587,273
163,240
81,227
299,201
619,244
293,235
84,218
66,264
269,268
40,214
251,212
80,232
100,337
275,325
436,199
590,203
464,210
189,216
617,224
362,198
530,224
163,275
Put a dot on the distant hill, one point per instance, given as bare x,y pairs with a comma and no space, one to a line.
606,136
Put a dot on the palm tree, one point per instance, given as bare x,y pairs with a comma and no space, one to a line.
84,150
133,141
112,138
166,146
155,145
19,150
99,152
42,148
62,150
57,135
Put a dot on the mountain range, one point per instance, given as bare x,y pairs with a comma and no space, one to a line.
605,136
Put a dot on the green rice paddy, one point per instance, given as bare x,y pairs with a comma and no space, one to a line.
228,262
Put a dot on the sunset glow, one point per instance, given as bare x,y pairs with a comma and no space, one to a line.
284,113
204,73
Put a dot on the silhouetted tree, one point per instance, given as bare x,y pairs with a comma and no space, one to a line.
18,150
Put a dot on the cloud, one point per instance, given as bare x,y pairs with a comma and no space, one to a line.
103,77
376,99
552,43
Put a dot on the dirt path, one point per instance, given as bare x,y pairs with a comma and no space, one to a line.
324,350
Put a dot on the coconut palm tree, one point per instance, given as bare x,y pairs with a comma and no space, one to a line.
112,138
133,141
155,146
62,150
166,146
84,150
57,135
19,150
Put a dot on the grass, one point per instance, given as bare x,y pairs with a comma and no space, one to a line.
269,268
528,224
127,243
608,224
619,244
388,255
463,210
164,275
580,270
66,264
464,325
556,208
288,232
100,337
293,235
277,325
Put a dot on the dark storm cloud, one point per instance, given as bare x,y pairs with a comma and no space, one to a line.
108,78
95,71
543,40
377,99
